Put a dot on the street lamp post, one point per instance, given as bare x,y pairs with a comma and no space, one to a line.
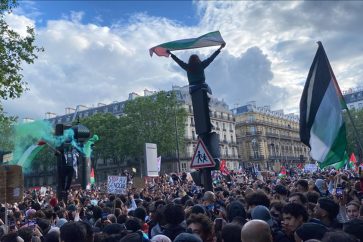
177,140
176,135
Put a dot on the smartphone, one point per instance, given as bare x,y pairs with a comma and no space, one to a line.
360,172
339,191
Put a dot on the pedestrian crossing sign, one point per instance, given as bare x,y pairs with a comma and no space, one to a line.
201,158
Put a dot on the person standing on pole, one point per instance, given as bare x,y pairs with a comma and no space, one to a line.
195,69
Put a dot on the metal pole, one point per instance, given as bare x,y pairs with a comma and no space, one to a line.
177,140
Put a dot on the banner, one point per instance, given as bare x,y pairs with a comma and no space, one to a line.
310,168
117,184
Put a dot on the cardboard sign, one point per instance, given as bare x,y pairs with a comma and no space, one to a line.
11,184
117,184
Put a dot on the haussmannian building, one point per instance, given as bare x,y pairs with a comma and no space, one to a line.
221,118
266,137
354,98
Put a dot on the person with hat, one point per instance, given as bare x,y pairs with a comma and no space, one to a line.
326,210
309,231
262,213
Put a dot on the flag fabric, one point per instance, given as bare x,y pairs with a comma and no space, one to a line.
342,163
223,168
210,39
92,177
282,172
322,126
29,154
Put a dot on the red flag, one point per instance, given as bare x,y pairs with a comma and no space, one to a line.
223,168
92,176
283,171
352,158
41,142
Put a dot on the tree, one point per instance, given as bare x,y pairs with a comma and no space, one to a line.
353,145
14,50
107,127
152,120
6,131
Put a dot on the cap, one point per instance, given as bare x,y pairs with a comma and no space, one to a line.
262,213
311,231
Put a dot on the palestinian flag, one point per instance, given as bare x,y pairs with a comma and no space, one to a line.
322,126
282,172
210,39
223,168
29,154
353,163
92,177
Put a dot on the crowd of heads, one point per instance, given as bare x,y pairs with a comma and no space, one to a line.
324,206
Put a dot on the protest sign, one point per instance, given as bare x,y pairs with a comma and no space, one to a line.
117,184
310,168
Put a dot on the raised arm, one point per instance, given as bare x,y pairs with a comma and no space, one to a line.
181,63
209,60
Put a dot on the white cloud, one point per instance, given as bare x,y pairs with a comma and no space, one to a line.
270,47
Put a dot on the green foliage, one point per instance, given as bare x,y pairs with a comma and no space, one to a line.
14,49
6,131
357,116
145,120
107,127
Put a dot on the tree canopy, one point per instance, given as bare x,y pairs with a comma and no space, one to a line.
14,50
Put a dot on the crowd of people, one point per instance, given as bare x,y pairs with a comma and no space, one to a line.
324,206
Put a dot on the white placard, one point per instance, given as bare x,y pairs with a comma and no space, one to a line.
310,168
151,152
117,184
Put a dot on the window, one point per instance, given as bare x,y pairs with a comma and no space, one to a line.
191,121
193,135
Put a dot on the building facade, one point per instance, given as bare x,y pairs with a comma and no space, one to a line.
354,98
221,118
268,138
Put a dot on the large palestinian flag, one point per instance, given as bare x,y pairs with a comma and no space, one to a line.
210,39
322,126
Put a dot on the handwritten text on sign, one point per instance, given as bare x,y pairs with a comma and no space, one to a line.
117,184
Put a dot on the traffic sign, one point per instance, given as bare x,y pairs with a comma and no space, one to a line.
201,158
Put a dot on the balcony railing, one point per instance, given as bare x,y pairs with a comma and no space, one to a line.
257,157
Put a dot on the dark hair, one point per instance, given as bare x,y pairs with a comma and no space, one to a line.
338,236
121,218
140,213
88,228
203,220
301,196
278,205
174,214
26,234
194,59
296,210
313,196
258,198
73,232
232,232
303,183
52,236
10,237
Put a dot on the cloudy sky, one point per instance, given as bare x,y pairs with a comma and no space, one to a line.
97,51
